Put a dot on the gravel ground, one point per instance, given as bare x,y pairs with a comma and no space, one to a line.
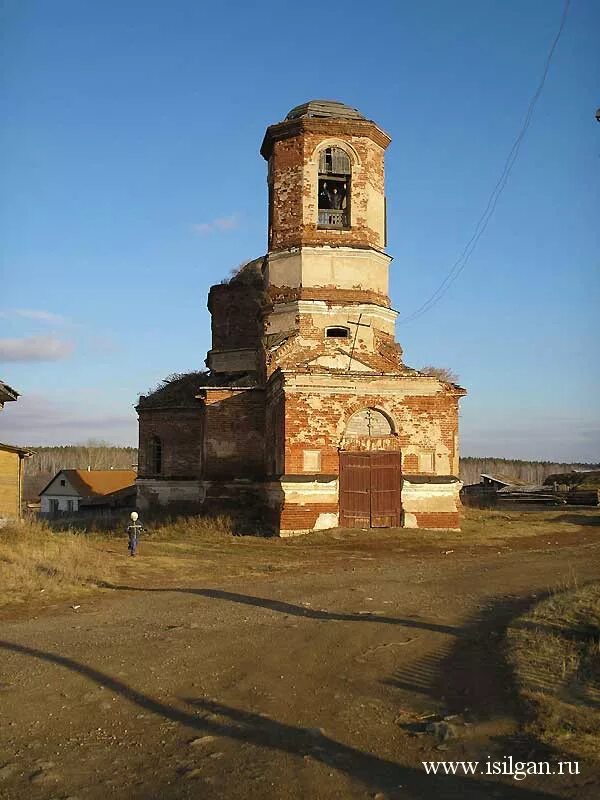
325,683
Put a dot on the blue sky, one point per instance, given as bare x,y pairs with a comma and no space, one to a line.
132,182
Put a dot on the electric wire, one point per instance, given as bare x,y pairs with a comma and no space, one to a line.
485,218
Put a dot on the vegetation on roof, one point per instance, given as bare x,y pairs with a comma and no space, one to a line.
177,389
247,274
443,373
182,389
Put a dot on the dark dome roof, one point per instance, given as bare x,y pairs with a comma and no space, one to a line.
325,108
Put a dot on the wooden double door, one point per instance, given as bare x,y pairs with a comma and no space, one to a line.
370,489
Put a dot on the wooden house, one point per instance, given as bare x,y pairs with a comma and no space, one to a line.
70,490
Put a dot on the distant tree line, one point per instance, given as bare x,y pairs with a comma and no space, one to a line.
532,472
47,461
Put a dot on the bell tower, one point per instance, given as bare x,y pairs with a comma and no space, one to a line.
326,268
307,411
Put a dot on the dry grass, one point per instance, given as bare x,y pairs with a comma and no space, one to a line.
39,561
555,651
36,560
191,528
483,525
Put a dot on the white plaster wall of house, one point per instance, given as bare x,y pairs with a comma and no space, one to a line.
58,502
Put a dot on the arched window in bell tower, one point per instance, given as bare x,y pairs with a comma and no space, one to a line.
334,188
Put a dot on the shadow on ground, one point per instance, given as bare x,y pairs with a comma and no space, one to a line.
576,519
211,717
500,614
474,680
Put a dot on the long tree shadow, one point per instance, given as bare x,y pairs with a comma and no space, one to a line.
374,772
474,677
579,519
290,609
474,672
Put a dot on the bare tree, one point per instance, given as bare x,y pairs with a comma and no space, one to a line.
443,373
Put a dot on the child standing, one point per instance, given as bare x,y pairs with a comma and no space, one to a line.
133,531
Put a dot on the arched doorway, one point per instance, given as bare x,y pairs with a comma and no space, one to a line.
370,481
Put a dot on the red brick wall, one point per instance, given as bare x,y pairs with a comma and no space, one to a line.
317,421
438,519
303,517
293,198
234,434
235,316
410,463
385,356
329,294
180,432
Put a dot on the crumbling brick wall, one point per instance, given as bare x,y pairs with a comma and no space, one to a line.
375,349
180,431
291,149
424,424
234,434
236,316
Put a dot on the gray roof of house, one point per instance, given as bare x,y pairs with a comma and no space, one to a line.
7,392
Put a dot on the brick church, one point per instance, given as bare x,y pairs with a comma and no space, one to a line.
306,410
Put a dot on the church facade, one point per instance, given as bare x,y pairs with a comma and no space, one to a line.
307,412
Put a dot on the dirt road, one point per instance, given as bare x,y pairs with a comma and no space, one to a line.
308,686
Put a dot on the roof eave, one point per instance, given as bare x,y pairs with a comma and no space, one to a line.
293,127
23,452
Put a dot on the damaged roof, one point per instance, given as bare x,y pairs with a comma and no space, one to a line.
331,109
182,389
250,273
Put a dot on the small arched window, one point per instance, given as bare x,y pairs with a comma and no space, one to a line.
156,455
337,333
334,188
369,422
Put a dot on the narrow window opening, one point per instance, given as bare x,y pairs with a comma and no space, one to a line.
337,333
156,455
334,188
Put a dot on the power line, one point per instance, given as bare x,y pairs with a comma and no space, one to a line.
484,219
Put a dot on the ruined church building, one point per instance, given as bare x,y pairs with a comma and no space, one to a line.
307,410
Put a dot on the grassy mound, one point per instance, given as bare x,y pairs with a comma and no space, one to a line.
555,652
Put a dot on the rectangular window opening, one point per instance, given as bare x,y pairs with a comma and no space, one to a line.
337,333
